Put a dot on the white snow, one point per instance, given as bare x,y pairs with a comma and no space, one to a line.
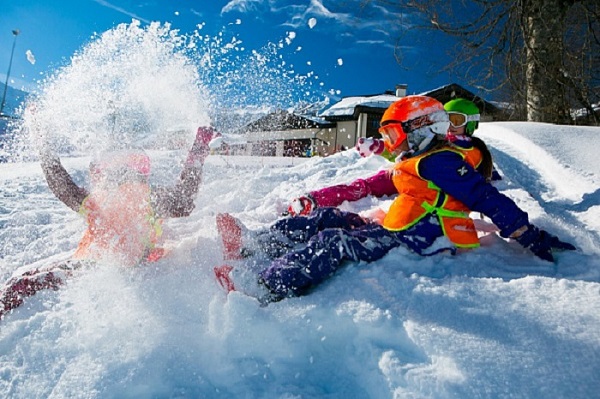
346,105
492,323
30,56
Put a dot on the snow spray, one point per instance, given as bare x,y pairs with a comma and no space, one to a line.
130,86
151,87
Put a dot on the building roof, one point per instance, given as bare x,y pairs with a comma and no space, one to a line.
446,93
346,108
349,107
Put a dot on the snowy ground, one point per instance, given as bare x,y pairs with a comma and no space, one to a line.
493,323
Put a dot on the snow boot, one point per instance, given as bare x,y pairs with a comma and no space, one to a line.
231,231
222,273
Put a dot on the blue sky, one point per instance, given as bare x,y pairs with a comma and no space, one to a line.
350,47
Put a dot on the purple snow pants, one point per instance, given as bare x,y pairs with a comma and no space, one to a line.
332,236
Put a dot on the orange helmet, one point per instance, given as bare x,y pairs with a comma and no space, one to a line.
416,118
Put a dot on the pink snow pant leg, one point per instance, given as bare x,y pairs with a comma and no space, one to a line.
30,282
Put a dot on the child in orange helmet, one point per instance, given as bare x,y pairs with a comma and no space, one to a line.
464,120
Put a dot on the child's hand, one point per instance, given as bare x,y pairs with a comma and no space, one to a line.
369,145
302,206
200,148
541,243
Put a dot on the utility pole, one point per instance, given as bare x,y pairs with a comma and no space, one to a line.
15,32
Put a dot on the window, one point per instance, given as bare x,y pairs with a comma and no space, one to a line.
373,125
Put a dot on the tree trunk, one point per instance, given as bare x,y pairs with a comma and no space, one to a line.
543,24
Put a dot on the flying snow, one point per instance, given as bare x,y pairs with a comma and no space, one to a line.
30,57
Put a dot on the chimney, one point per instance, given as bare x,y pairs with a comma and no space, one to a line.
401,90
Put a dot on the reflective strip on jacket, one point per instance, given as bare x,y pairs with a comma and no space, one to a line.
121,223
419,197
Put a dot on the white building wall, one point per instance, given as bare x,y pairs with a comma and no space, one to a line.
279,146
346,134
361,126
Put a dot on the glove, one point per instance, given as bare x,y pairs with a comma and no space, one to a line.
541,243
216,142
302,206
200,148
369,145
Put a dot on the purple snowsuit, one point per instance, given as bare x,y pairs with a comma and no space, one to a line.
332,236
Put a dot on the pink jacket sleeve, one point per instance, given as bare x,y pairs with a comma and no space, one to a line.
378,185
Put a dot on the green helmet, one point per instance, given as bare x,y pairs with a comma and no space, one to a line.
466,107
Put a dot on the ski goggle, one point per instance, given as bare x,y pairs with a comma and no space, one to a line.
458,119
436,123
393,135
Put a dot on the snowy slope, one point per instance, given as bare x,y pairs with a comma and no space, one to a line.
493,323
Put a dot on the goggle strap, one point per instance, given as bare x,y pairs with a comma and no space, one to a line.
468,118
416,123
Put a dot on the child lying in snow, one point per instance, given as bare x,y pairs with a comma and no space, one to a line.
123,213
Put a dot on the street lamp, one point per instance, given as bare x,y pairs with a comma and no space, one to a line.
15,32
